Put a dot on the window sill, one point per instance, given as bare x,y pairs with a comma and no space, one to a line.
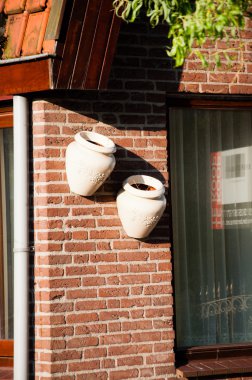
214,367
215,360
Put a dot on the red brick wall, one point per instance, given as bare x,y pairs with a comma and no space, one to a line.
103,301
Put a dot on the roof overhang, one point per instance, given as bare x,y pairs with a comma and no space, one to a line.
76,52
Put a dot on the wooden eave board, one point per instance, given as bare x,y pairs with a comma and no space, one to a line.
6,118
6,353
25,77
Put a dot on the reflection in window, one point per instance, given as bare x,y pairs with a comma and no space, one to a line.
211,177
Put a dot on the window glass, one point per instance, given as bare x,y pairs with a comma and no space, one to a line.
6,233
211,178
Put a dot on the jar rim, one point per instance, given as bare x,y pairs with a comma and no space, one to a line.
144,180
96,142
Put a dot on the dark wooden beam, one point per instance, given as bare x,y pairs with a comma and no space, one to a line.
109,52
99,45
23,77
85,44
71,44
85,54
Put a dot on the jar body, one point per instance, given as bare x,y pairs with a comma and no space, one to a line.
139,215
87,169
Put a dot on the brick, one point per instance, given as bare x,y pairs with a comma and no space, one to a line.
107,269
92,328
81,293
81,259
129,349
135,302
80,270
97,352
126,374
119,244
160,358
106,234
48,224
108,363
47,344
81,317
165,370
49,272
147,372
133,256
84,366
93,281
241,89
54,259
80,223
135,279
115,339
143,268
56,307
66,355
90,305
157,289
92,376
55,117
82,342
79,247
103,257
158,312
46,200
46,153
137,325
48,320
150,336
113,292
114,326
130,361
224,77
57,331
62,283
49,296
79,235
214,88
113,315
51,235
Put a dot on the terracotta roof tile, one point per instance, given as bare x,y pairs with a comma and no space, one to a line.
2,5
25,29
14,6
35,5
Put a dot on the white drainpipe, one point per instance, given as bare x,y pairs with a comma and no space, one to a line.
21,237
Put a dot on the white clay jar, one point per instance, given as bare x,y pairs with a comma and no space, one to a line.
89,162
140,204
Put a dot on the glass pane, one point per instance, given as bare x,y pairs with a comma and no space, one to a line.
211,175
6,249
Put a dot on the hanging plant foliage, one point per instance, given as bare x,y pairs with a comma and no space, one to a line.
191,22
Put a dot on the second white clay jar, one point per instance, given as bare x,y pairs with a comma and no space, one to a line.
140,204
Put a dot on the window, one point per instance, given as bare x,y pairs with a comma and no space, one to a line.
211,193
6,237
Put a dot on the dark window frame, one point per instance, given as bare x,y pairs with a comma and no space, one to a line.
214,360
